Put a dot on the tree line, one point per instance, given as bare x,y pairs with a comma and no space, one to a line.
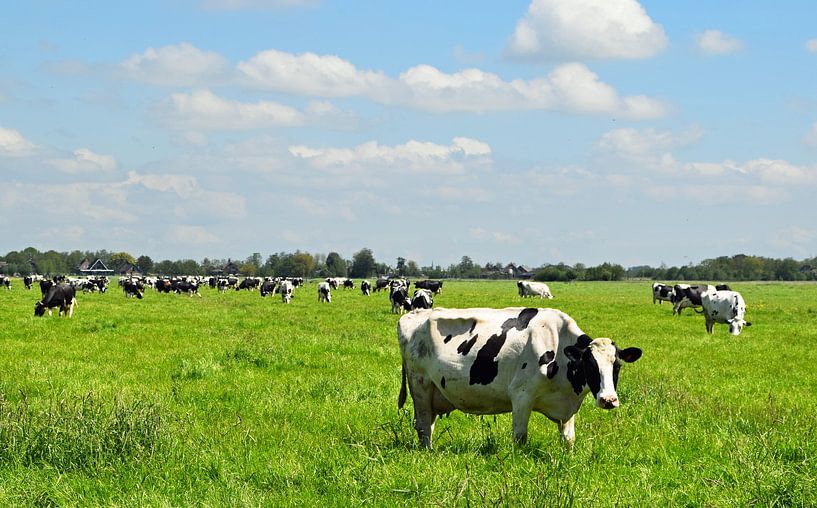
363,264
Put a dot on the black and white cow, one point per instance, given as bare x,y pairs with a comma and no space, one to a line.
399,299
59,295
324,292
249,283
133,288
380,284
662,292
435,286
286,291
5,281
365,287
45,285
184,286
527,288
517,360
348,284
727,307
268,287
422,299
685,296
28,281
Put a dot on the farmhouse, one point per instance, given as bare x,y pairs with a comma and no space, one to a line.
95,268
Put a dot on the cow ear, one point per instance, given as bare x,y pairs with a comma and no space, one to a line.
748,323
630,354
573,353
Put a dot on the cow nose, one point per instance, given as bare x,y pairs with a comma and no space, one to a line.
608,402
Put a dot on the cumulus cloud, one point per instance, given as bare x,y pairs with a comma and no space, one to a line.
203,110
415,156
811,45
13,144
84,161
715,42
558,29
176,65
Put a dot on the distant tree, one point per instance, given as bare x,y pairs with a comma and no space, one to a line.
248,269
335,265
363,264
145,264
303,263
401,266
119,259
412,269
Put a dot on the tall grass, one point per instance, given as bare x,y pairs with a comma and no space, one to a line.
232,399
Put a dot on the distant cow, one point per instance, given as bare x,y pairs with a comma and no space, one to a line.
662,293
435,286
399,299
59,295
365,288
380,284
348,284
45,285
5,282
685,296
28,281
183,286
324,292
725,307
422,299
491,361
286,291
133,288
267,287
249,283
528,288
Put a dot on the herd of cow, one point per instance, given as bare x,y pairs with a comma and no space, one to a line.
477,360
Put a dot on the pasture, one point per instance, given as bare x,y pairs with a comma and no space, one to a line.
231,399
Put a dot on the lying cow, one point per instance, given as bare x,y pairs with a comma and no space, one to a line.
59,295
286,291
324,292
527,288
422,299
365,288
662,293
725,307
491,361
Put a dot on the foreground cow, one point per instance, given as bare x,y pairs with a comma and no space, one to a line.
725,307
662,293
59,295
286,291
528,288
324,292
490,361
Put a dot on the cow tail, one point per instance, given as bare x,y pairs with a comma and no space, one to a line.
401,399
698,311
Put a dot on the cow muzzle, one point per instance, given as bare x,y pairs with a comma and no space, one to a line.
607,402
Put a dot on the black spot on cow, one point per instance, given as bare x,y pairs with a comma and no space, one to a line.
524,365
547,357
583,340
466,345
553,369
442,382
485,366
447,338
591,372
421,349
473,325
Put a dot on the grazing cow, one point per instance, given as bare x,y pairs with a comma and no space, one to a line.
422,299
59,295
183,286
248,283
662,293
324,292
399,299
133,288
365,288
685,296
528,288
164,286
268,287
28,281
286,291
380,284
724,306
435,286
348,284
491,361
5,281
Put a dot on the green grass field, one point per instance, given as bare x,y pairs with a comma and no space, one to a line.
231,399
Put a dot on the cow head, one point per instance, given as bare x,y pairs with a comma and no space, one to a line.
39,309
736,325
596,364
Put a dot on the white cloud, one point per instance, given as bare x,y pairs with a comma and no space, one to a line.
309,74
176,65
811,45
187,235
715,42
13,144
235,5
415,156
185,186
84,161
558,29
494,236
811,136
203,110
648,148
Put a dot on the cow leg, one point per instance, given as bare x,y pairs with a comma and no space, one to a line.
521,409
568,431
422,396
71,308
710,326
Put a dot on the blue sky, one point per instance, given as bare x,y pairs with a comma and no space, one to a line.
529,131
